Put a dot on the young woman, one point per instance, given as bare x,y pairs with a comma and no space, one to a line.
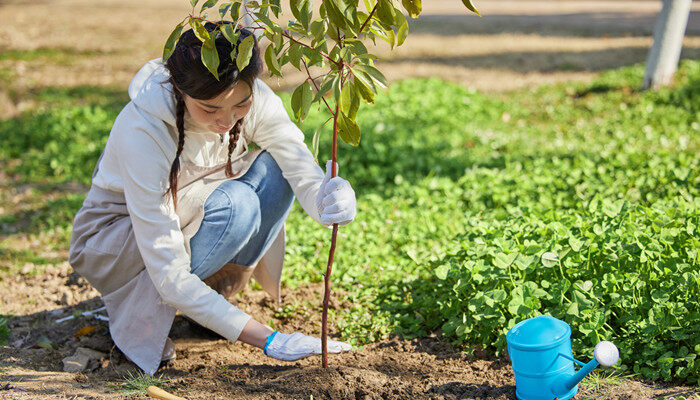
181,212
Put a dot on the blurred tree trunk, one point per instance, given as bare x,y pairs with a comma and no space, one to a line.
662,60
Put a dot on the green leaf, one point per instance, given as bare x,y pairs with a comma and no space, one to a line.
376,76
301,101
278,40
363,88
573,309
356,46
318,29
316,140
385,12
503,261
349,100
230,33
414,7
294,5
266,21
348,130
210,57
271,60
388,36
171,42
199,30
523,262
334,14
575,244
305,14
402,25
550,259
612,208
323,89
245,51
194,2
223,9
45,342
295,55
470,6
276,7
337,87
208,4
442,270
235,11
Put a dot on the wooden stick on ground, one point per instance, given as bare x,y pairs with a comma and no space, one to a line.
158,393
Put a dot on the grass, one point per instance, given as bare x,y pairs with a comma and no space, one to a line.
137,383
446,177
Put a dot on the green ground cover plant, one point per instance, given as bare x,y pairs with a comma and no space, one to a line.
477,211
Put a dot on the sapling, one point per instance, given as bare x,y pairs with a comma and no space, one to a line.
333,40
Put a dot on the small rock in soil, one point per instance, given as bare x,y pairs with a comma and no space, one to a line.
27,268
80,360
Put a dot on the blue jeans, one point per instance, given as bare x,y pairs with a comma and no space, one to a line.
241,218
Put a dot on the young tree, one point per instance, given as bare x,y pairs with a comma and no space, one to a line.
332,39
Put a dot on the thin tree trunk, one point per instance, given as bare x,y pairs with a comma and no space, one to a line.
662,60
329,267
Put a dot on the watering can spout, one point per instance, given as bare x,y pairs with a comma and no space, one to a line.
605,354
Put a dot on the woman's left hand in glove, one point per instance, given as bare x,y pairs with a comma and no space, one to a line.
335,201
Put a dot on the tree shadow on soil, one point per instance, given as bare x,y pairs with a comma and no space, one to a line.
608,24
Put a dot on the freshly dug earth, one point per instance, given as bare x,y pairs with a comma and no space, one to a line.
209,367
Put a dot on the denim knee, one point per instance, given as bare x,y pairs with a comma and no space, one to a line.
235,204
274,174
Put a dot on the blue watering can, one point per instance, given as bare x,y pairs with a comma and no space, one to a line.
543,364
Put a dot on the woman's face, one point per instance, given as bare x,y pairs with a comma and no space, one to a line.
220,113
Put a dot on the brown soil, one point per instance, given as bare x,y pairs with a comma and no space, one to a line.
209,367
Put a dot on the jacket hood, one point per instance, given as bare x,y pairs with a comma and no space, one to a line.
150,91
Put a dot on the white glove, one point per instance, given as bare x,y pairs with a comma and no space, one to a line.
335,200
297,345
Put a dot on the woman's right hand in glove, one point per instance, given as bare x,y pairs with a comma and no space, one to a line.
290,347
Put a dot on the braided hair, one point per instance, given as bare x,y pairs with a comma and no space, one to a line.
189,76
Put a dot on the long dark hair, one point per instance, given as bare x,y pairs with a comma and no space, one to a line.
188,75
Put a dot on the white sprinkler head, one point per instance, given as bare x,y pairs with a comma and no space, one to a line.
606,354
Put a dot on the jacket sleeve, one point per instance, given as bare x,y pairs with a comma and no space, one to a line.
144,169
275,132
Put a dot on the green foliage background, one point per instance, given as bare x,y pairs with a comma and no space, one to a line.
475,211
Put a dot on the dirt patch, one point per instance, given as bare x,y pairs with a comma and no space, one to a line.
209,367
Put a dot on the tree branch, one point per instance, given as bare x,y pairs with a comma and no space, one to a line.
288,36
368,19
315,85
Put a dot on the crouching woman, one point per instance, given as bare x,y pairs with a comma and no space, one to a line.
181,212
